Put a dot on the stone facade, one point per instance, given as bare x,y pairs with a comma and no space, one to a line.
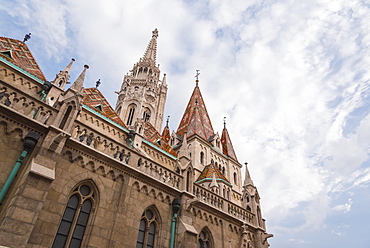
95,180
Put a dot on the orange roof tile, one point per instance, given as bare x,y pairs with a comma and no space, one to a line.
20,55
195,119
94,99
209,171
227,146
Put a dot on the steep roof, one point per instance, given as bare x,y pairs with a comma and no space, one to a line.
153,136
196,119
94,99
227,146
17,53
209,172
166,134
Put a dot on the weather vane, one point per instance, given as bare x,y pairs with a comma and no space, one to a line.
196,76
98,83
27,37
224,122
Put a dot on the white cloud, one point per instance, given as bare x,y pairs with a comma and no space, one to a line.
291,77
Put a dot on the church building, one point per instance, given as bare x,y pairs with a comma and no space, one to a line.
76,172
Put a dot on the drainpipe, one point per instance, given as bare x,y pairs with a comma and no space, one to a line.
175,208
29,143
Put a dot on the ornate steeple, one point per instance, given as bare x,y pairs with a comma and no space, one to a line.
143,95
151,51
227,146
195,120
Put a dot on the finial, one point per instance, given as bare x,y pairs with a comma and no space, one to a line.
27,37
168,119
98,83
155,33
196,76
224,122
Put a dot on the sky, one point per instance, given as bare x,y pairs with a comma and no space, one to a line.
291,77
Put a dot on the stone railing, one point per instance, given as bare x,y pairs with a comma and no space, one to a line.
240,213
208,197
215,200
112,146
26,105
160,172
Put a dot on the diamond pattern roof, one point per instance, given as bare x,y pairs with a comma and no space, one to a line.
209,171
17,53
94,99
196,119
227,146
153,136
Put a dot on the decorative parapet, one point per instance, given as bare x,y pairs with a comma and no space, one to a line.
26,104
210,198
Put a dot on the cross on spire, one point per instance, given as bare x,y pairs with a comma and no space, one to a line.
224,122
168,119
196,76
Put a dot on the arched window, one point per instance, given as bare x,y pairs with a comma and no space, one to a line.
147,230
146,115
188,180
75,218
130,115
201,157
235,178
205,239
223,170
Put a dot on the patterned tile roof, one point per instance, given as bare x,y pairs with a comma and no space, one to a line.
195,119
17,53
94,99
153,136
227,146
209,171
166,134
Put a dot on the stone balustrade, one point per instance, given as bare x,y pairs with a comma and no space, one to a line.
27,105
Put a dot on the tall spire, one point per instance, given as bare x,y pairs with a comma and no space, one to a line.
227,146
196,119
166,131
151,51
79,83
247,179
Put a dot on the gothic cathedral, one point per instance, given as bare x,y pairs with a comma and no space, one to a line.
75,172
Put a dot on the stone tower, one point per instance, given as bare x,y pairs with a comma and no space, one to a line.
143,95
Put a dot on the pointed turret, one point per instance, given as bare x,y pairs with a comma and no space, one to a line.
247,179
196,120
227,146
150,54
166,131
79,83
61,79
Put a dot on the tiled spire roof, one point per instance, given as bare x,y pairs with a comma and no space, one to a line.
195,119
151,51
227,146
210,172
95,100
153,136
166,136
17,53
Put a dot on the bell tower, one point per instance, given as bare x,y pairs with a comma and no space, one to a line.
143,95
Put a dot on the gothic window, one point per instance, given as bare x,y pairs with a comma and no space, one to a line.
235,178
130,115
147,230
75,218
146,115
201,157
223,170
205,239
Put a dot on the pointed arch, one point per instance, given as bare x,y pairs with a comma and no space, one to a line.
205,239
149,227
78,215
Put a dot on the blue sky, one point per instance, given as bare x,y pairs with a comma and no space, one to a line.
292,78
